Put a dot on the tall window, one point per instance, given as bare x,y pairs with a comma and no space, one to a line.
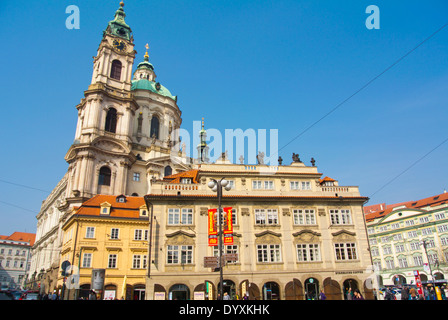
266,216
90,232
104,177
345,251
268,253
304,216
87,260
175,216
111,120
180,254
154,127
115,72
112,263
308,252
168,171
340,217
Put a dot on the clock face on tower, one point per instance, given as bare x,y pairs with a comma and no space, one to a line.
119,45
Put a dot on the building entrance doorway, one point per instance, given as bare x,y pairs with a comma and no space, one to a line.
179,292
229,287
311,289
139,293
271,291
350,285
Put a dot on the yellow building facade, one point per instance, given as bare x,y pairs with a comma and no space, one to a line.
109,234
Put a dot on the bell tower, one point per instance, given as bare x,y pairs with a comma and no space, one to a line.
101,154
112,66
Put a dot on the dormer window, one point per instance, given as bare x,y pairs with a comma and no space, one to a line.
105,208
121,199
186,181
143,211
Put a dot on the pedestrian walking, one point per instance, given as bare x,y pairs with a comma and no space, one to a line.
226,296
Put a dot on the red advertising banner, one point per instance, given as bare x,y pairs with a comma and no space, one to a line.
212,229
213,226
228,226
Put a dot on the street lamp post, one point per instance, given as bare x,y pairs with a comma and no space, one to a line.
429,264
217,186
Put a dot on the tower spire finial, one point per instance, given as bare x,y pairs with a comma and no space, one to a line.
146,54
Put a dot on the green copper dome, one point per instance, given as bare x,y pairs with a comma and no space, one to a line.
144,84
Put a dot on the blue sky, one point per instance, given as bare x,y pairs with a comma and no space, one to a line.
239,64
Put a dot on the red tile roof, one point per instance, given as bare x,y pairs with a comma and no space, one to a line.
176,178
21,236
128,209
430,201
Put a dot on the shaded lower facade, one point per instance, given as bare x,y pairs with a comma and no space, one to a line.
261,287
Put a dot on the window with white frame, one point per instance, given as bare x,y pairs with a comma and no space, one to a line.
399,248
112,261
439,215
345,251
390,264
87,260
268,253
300,185
266,216
262,184
442,228
177,216
426,231
414,246
412,234
179,254
444,241
140,234
423,219
114,233
387,250
418,260
90,232
139,261
409,223
308,252
375,252
136,176
304,216
403,262
340,216
397,237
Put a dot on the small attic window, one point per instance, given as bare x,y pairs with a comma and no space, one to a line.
121,199
436,198
186,181
143,211
413,204
105,208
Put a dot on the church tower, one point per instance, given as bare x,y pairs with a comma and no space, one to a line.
101,154
127,130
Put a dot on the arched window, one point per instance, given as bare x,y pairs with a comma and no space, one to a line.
154,127
115,71
168,171
104,177
111,120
